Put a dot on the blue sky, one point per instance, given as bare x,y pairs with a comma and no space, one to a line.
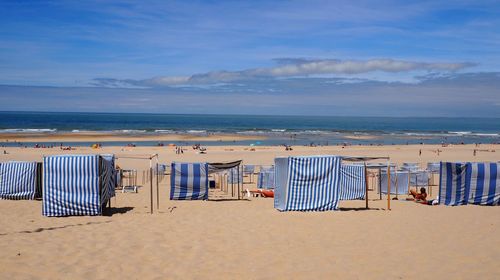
380,58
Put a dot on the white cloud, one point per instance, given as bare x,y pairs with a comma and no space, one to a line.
293,67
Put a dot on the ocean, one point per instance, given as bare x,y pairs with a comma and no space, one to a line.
292,130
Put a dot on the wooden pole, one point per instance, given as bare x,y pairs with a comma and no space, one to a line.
409,174
232,183
380,182
389,187
157,187
366,187
396,187
239,169
151,189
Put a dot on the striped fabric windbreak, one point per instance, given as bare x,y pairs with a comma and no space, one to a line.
419,178
280,182
433,167
352,182
18,180
71,185
399,182
234,175
409,166
313,183
266,178
189,181
107,178
469,183
483,183
248,169
452,183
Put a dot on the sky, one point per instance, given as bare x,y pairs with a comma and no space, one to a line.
342,58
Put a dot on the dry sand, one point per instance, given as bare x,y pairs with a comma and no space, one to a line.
249,239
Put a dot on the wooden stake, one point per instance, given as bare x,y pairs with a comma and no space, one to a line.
151,189
380,182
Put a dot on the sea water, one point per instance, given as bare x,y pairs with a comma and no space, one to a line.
297,130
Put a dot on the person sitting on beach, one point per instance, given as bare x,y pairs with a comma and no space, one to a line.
422,196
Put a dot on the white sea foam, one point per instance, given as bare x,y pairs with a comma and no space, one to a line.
164,131
460,132
130,131
487,134
28,130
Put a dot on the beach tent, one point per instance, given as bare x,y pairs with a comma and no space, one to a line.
266,178
18,180
189,181
229,173
308,183
399,182
469,183
353,181
77,184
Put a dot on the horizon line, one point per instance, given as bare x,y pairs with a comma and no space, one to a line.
259,115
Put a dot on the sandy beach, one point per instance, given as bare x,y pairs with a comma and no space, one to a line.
249,239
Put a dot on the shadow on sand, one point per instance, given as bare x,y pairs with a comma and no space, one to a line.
359,209
116,210
58,227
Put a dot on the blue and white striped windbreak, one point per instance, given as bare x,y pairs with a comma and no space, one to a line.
312,184
266,178
189,181
433,167
18,180
248,169
353,182
484,182
409,166
452,183
234,175
419,178
71,185
108,177
399,182
469,183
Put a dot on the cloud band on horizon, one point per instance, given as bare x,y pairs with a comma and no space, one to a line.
288,67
